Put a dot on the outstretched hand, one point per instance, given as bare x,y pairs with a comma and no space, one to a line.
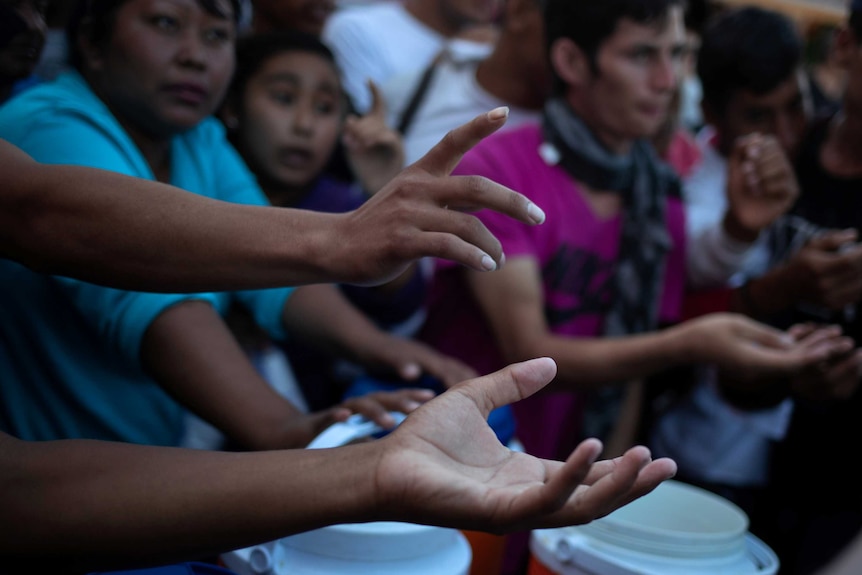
445,466
748,349
420,213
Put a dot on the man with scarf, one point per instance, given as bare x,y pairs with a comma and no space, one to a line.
606,271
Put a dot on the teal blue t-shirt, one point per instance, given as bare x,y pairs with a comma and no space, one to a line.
69,350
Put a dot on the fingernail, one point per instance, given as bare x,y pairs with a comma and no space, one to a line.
499,113
535,213
502,260
488,263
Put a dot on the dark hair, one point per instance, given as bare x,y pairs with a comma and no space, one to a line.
590,22
98,17
855,24
254,50
747,49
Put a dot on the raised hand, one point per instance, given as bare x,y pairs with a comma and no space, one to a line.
761,185
420,213
445,466
374,150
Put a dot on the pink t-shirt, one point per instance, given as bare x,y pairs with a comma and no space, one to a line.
576,252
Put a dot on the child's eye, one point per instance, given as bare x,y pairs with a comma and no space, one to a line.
166,23
218,35
282,97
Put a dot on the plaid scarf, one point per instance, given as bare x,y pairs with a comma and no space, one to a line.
644,183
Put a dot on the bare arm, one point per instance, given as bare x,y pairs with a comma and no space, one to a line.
191,353
95,505
322,315
512,300
130,233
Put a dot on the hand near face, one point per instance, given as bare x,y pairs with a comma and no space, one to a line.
375,151
421,213
761,186
445,466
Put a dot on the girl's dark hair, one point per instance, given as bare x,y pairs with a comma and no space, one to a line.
254,50
97,16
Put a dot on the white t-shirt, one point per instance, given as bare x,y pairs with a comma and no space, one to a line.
381,40
453,98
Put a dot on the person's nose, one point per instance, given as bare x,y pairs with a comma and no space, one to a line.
192,50
303,119
666,74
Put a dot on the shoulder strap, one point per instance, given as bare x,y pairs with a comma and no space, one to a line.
418,95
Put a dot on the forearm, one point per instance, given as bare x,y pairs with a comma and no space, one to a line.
85,505
769,294
587,363
153,236
322,316
713,256
191,353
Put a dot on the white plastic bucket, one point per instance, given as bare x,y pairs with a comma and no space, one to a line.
379,548
677,529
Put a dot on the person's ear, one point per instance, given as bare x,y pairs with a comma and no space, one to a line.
844,47
569,62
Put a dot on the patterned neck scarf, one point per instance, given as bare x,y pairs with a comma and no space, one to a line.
644,183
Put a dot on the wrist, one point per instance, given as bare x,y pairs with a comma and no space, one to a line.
736,230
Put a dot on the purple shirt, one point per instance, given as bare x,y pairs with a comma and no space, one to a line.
576,252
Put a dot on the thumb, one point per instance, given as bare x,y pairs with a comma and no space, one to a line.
510,384
442,158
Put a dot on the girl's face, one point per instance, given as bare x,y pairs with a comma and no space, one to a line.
290,118
166,64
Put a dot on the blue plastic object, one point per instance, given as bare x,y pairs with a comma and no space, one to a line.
191,568
501,420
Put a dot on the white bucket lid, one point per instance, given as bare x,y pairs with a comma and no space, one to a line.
677,528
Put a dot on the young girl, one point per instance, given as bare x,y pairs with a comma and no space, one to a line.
286,112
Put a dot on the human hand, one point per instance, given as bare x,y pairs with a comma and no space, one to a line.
761,186
410,359
747,349
445,466
827,271
836,377
420,213
374,150
376,406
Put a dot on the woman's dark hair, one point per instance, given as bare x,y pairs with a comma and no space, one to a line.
747,49
254,50
588,23
97,16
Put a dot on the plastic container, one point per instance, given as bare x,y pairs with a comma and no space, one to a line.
379,548
677,529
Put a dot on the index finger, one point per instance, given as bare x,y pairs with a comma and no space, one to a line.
445,155
378,103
